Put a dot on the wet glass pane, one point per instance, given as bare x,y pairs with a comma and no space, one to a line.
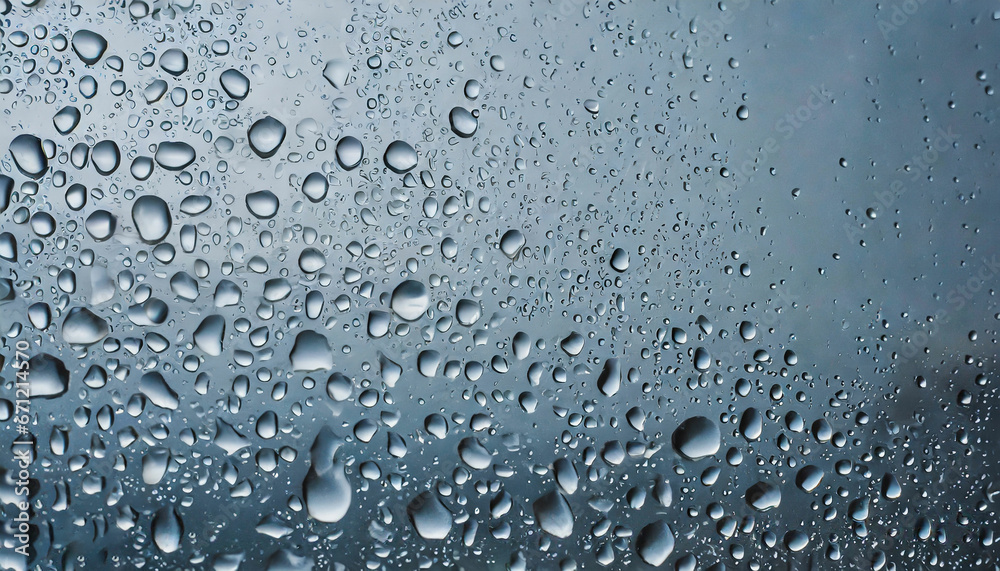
555,285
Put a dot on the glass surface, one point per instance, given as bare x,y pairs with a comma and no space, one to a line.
552,285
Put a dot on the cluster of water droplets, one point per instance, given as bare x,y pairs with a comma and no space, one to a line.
311,292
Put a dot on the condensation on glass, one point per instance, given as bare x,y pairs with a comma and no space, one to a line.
292,285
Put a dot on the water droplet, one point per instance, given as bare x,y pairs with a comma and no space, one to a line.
497,63
400,157
891,489
83,327
265,136
151,217
167,530
474,454
325,489
809,478
315,187
463,123
89,46
235,84
655,543
311,352
263,204
336,71
763,496
410,300
511,243
619,260
106,156
430,518
553,514
610,379
174,156
101,224
209,334
29,157
697,438
49,376
349,152
174,61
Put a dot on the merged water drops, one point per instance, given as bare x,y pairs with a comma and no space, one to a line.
430,518
89,46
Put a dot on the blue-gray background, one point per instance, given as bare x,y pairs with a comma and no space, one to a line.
848,211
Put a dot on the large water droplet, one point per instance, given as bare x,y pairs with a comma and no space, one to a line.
410,300
697,438
29,157
763,496
311,352
400,157
151,218
474,454
619,260
174,156
325,489
209,334
89,46
349,152
106,156
430,518
83,327
610,379
553,514
265,136
315,186
336,71
174,61
463,123
156,389
167,530
235,84
48,375
891,489
263,204
101,225
655,543
511,243
809,478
